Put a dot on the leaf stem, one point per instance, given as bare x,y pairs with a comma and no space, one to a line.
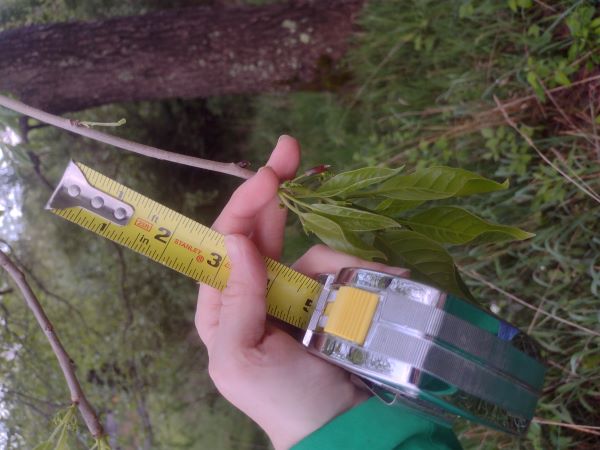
289,202
296,201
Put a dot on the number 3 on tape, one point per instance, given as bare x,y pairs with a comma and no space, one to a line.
122,215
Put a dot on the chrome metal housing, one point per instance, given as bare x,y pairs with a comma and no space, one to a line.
435,352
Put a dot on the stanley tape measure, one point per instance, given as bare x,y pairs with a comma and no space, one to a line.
408,342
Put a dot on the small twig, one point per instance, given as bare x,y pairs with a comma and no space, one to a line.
562,112
594,128
513,297
77,395
42,287
45,402
141,149
35,161
545,5
142,410
520,100
585,189
583,428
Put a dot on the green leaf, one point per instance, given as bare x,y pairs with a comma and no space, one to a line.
338,238
47,445
466,10
561,78
532,79
435,183
487,133
298,190
354,219
534,30
454,225
354,180
393,208
428,260
62,442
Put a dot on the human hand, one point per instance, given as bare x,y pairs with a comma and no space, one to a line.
259,368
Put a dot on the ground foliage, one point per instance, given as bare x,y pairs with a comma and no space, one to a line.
417,91
425,77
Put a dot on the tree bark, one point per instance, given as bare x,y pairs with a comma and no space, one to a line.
188,52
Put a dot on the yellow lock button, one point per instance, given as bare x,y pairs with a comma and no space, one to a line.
349,316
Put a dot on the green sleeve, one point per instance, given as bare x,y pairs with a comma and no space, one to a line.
375,426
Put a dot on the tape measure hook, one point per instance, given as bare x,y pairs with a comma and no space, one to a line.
75,190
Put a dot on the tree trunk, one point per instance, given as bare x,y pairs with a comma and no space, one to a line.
188,52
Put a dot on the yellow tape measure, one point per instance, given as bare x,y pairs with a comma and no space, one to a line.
126,217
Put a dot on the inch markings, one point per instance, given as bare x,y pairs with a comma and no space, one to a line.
187,246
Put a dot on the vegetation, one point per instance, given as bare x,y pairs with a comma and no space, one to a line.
425,75
509,90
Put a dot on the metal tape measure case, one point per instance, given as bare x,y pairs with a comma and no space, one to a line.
409,342
428,349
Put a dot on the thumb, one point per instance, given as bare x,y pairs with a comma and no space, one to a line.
243,302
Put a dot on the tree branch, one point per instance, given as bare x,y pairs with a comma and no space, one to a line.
65,362
141,149
42,287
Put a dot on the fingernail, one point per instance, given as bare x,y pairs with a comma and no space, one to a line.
282,137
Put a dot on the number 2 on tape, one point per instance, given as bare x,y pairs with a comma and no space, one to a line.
107,208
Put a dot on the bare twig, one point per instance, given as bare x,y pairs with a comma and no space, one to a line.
138,386
152,152
583,428
77,395
42,401
545,5
585,189
514,298
142,410
520,100
35,161
563,114
42,287
593,122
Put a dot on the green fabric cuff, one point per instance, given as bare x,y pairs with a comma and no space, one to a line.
375,426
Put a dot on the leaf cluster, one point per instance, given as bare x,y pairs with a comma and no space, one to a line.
379,213
66,424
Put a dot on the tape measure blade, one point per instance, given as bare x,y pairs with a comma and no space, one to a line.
187,246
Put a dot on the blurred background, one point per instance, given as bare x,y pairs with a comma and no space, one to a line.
358,83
